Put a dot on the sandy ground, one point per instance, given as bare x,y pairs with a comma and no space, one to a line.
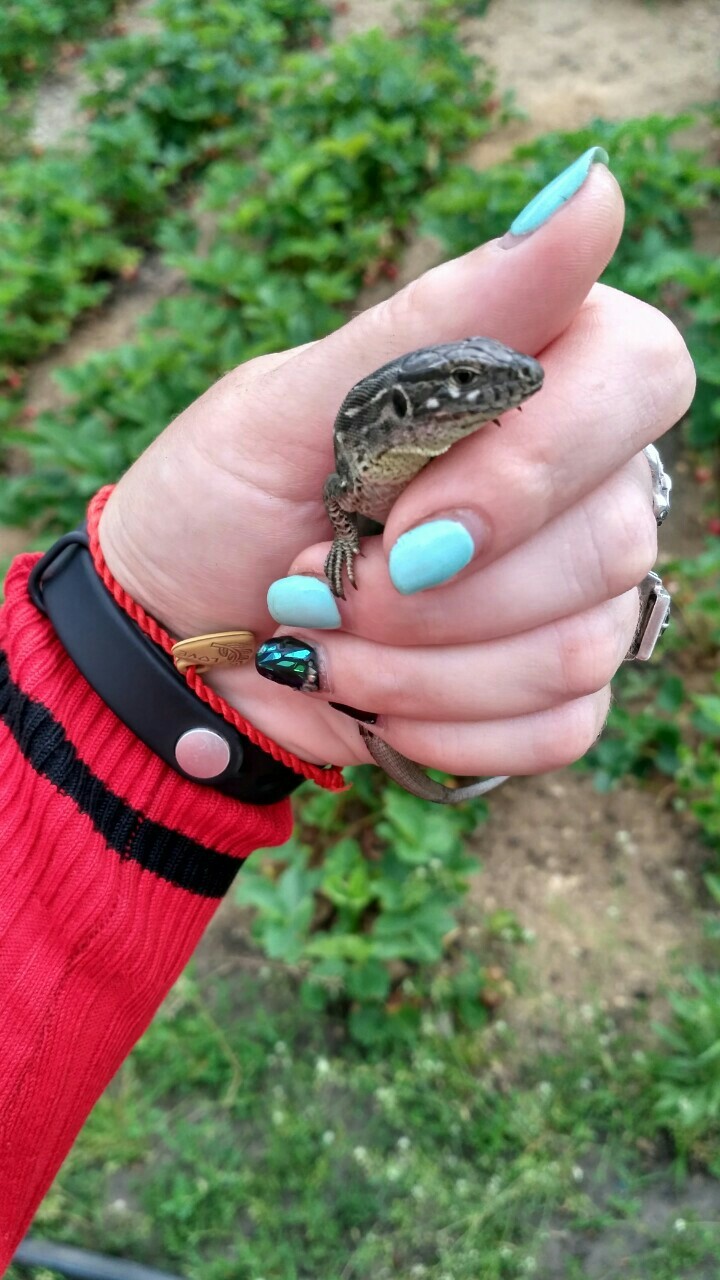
605,883
568,61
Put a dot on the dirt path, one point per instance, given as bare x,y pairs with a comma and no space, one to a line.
568,61
606,885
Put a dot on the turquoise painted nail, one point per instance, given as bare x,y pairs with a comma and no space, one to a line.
556,193
298,601
432,553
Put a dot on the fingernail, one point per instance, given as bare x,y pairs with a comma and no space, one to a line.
300,601
367,717
430,554
556,193
289,661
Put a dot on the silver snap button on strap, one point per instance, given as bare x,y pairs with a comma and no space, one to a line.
202,753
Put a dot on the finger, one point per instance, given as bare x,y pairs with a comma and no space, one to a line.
595,551
524,296
514,676
523,745
617,379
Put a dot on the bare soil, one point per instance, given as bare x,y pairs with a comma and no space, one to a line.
607,884
569,61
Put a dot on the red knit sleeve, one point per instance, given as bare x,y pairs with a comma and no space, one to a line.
111,866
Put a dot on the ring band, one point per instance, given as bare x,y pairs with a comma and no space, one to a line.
661,482
653,620
654,616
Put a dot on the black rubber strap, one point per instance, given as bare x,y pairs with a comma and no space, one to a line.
137,679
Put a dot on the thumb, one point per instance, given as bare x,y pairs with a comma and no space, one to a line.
523,289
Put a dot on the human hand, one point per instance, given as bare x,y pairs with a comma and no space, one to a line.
506,668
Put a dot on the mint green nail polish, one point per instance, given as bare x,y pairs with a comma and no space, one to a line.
298,601
556,193
432,553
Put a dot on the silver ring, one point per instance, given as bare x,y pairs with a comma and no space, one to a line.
653,620
654,617
661,482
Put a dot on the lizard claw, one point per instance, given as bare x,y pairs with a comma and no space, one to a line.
340,557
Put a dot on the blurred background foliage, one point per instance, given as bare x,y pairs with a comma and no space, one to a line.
359,1108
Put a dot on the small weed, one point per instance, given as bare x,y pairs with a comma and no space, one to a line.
686,1070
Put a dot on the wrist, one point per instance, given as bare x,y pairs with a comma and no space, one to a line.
246,696
127,548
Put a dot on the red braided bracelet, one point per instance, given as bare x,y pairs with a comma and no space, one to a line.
330,778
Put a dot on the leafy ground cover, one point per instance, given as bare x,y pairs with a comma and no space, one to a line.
73,220
314,202
242,1140
32,33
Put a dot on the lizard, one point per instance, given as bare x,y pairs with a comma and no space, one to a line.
389,426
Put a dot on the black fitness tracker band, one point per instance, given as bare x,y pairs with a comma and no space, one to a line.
138,680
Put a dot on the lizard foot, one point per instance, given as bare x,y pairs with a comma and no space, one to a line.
340,557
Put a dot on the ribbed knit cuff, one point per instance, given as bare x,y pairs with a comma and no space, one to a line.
111,866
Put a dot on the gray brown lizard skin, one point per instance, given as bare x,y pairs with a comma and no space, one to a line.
389,426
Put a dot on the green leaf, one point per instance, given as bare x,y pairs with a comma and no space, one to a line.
369,982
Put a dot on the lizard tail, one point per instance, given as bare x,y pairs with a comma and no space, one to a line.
411,776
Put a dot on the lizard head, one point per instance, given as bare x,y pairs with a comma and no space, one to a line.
432,397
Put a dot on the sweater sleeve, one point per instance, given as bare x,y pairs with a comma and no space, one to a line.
111,866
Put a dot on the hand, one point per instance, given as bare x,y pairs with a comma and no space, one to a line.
506,668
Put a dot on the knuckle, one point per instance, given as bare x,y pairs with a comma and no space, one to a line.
639,546
625,538
666,367
394,690
589,650
405,308
531,476
572,729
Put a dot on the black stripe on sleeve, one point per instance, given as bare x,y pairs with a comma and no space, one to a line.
167,853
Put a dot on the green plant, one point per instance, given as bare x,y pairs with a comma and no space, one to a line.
165,103
643,734
356,134
698,776
73,219
675,732
687,1070
31,32
350,133
698,779
58,253
248,1137
364,901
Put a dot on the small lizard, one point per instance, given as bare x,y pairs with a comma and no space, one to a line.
389,426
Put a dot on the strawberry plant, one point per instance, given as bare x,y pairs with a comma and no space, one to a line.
58,252
71,220
31,32
162,102
295,228
363,901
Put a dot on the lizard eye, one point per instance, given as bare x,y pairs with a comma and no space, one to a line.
399,402
464,376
